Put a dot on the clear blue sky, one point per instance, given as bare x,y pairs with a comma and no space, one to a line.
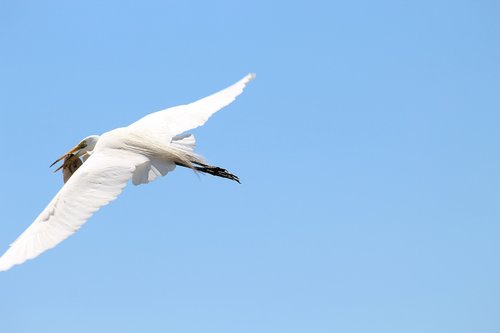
368,147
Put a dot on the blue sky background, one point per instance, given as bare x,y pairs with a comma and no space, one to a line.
368,148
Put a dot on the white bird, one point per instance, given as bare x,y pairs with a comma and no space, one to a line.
149,148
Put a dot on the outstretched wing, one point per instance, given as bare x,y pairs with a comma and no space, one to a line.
96,183
170,122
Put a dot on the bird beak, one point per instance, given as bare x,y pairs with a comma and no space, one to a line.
81,145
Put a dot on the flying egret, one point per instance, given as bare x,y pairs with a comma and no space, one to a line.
145,150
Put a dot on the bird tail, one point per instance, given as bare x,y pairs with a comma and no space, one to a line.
185,142
184,145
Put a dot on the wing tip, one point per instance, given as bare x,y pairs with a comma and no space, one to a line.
5,266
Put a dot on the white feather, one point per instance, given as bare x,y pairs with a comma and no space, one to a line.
97,182
144,151
176,120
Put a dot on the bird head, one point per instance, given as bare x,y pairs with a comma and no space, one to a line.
85,146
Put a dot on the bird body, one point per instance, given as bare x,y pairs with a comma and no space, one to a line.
145,150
